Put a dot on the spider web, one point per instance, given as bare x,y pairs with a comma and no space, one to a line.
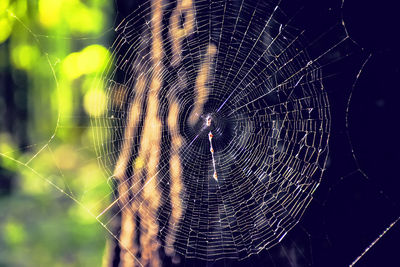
255,76
270,124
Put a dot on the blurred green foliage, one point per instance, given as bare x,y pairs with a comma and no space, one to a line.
50,53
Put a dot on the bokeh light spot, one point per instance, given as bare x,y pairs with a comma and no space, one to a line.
95,102
14,233
49,12
24,56
90,60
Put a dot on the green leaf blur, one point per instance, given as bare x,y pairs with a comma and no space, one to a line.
51,185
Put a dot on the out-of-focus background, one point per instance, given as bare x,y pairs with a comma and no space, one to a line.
50,52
